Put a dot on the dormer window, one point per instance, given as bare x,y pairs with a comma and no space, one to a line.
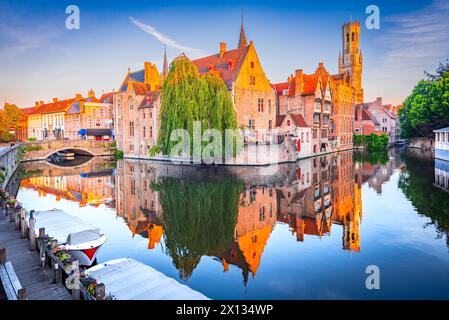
252,64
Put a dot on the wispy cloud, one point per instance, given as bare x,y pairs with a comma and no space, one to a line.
418,40
19,40
409,43
161,37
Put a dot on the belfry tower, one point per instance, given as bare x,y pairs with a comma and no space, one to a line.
350,60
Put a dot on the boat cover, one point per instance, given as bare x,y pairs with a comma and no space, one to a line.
129,279
60,225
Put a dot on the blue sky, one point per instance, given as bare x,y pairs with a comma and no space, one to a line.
41,59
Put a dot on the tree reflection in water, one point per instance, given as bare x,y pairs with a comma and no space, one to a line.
417,182
199,218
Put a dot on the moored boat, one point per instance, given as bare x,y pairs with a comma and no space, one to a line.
80,238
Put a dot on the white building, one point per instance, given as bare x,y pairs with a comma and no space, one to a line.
442,144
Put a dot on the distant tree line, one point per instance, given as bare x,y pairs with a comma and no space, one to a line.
427,107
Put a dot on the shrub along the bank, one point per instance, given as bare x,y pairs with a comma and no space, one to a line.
118,154
372,141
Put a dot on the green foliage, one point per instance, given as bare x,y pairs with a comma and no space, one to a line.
32,139
199,218
155,150
112,144
427,104
188,97
118,154
373,157
10,117
29,148
417,183
372,142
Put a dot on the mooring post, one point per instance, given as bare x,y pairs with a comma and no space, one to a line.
17,219
41,246
100,291
12,214
76,280
31,232
22,294
2,255
23,224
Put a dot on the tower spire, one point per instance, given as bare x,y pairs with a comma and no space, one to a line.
165,66
242,40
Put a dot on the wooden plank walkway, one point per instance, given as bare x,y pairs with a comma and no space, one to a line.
36,280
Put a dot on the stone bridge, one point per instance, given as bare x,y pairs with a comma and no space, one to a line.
41,150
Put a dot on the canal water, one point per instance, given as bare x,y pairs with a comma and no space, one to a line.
297,231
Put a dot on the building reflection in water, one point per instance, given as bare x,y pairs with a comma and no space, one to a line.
88,184
225,213
442,174
309,198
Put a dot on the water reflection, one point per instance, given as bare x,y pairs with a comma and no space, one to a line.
229,215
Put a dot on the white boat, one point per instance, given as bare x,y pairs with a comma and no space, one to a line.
80,238
129,279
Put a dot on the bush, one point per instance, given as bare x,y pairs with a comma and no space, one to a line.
113,144
118,154
32,139
372,141
29,148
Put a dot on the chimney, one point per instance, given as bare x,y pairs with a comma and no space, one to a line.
320,65
55,100
379,100
299,81
36,104
78,96
222,49
41,103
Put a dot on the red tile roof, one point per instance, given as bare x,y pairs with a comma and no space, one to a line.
107,97
280,87
27,111
299,120
279,120
150,99
227,66
53,107
310,83
139,87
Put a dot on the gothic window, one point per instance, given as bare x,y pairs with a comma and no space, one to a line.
353,37
316,118
151,132
288,123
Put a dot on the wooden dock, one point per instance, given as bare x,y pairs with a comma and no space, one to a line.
26,263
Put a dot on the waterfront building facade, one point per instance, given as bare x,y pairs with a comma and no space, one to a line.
442,144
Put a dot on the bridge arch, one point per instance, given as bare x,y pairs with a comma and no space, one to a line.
81,151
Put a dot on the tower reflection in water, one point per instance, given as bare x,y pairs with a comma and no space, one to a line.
224,213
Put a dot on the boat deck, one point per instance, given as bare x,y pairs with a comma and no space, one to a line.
34,279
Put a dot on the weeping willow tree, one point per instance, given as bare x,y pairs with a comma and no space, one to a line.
189,97
198,217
